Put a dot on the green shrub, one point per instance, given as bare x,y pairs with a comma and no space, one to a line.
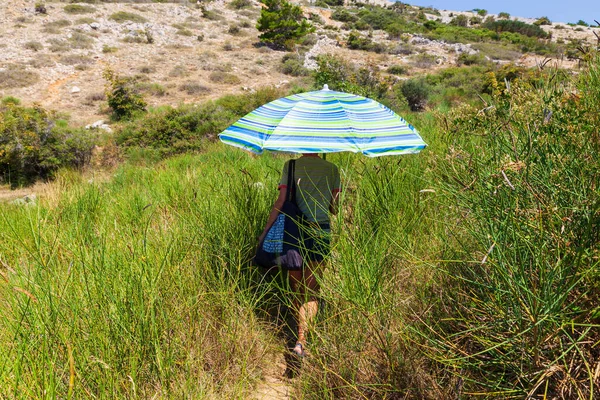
234,30
343,15
121,96
151,88
5,101
471,59
504,15
397,69
423,60
79,9
124,16
330,3
177,130
475,20
109,49
377,17
356,41
292,64
516,27
340,75
543,21
282,24
240,4
497,51
460,20
416,93
524,175
34,145
212,15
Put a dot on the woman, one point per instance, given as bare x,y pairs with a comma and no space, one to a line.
317,184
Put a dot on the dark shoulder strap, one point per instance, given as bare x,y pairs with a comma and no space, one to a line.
291,183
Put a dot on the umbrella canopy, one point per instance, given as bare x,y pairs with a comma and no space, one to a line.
324,121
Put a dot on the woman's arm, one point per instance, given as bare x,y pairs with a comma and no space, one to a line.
274,211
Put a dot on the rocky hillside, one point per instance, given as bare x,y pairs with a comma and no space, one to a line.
56,56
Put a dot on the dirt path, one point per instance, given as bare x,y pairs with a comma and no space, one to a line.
275,386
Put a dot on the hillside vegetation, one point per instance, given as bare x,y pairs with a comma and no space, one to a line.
469,270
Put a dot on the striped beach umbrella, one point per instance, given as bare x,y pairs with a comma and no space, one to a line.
324,121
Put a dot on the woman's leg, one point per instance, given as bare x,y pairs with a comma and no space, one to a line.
306,287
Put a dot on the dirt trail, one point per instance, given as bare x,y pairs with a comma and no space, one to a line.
275,386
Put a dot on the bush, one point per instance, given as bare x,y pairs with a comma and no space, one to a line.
177,130
524,176
123,16
282,24
504,15
34,144
151,88
460,20
340,75
343,15
15,76
73,59
224,78
121,96
516,27
40,8
79,9
54,27
10,100
423,60
35,46
471,59
358,42
397,69
543,21
240,4
109,49
416,93
292,64
194,88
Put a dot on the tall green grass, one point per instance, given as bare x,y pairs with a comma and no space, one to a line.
139,286
468,270
519,315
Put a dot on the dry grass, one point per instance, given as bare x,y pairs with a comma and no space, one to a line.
73,59
15,76
224,78
194,88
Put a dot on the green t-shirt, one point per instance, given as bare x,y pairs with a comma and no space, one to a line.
316,182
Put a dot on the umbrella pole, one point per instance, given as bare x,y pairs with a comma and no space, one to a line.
324,156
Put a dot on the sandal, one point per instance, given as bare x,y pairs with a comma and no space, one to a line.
298,350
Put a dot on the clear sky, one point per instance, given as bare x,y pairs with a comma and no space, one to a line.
557,11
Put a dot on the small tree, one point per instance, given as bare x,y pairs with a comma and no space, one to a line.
282,24
121,96
460,20
543,21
